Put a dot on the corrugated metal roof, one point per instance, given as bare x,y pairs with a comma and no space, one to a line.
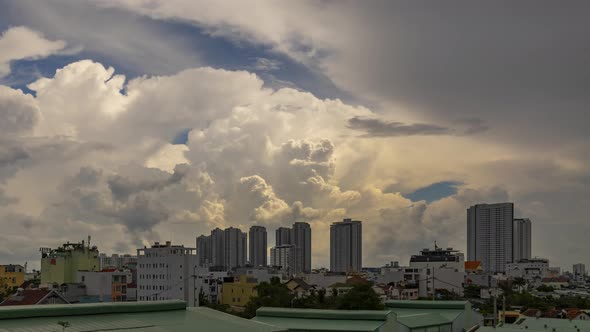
317,324
450,314
324,320
427,304
379,315
423,320
128,317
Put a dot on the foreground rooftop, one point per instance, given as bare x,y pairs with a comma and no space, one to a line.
163,316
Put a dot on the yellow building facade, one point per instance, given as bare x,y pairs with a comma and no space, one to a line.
62,264
239,293
11,276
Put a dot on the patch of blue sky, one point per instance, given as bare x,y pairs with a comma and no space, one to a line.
434,192
198,48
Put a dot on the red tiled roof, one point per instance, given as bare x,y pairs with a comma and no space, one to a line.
26,297
531,312
573,313
472,265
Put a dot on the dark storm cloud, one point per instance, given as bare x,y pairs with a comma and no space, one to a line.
378,128
523,64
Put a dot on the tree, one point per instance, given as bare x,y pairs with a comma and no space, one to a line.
519,282
273,294
545,288
360,297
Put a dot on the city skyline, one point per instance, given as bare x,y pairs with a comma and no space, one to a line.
136,123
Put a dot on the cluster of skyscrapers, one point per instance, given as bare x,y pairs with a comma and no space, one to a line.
495,237
225,249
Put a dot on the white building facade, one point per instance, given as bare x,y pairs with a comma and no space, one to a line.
167,272
285,257
529,269
490,235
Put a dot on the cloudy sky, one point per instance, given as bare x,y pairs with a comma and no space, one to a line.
136,121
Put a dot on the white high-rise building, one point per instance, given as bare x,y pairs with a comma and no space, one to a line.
346,246
301,237
285,257
235,248
490,235
522,239
579,271
258,246
165,272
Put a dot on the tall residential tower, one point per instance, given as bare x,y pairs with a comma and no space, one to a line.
346,246
258,246
490,235
522,239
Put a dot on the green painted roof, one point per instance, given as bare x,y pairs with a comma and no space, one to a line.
322,324
427,304
135,317
450,314
538,324
423,320
380,315
323,320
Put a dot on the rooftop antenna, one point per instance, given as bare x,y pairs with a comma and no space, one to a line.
89,241
435,246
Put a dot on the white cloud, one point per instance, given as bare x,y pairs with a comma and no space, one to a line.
18,43
99,158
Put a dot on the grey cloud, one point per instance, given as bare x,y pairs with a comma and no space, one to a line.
373,127
122,187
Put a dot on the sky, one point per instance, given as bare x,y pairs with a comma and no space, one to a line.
136,121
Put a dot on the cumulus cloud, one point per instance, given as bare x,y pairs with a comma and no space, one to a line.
18,43
98,152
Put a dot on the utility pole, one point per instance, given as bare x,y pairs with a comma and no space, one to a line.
495,294
433,289
503,309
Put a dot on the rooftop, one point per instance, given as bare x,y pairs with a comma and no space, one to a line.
162,316
324,320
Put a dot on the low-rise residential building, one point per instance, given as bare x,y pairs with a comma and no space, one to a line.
167,272
11,277
117,261
238,292
34,296
299,287
529,269
556,283
262,274
59,266
108,285
324,279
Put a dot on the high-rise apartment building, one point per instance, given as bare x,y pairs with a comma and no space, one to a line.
258,246
490,235
285,257
521,239
301,238
235,248
218,248
579,272
346,246
204,250
283,236
166,272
